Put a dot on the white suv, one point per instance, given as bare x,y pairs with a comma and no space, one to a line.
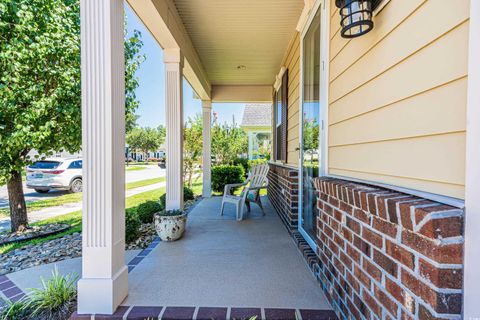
55,174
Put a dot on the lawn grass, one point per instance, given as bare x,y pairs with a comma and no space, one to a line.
143,183
76,197
74,219
135,167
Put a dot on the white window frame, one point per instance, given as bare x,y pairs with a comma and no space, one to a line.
323,5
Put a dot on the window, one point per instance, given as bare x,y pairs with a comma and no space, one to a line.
45,165
75,165
280,120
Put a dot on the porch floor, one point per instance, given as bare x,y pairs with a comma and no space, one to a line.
221,262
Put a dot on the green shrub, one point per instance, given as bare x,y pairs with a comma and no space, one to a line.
17,310
242,162
57,298
222,175
132,225
253,163
146,210
170,213
187,195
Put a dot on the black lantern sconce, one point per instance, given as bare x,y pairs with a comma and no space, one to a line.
356,16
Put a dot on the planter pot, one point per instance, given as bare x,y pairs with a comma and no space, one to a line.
170,228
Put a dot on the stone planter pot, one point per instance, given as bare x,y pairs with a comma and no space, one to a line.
170,228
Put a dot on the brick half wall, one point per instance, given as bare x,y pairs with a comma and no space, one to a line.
283,193
388,255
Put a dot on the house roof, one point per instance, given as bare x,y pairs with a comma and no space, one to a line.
257,115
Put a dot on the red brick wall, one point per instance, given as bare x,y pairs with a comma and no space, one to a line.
283,193
388,255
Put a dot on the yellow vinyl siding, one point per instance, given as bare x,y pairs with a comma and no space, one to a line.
397,97
292,63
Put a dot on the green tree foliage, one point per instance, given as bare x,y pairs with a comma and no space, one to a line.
162,131
192,147
40,100
228,143
134,59
144,140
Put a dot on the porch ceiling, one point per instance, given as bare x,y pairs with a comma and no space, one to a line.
231,33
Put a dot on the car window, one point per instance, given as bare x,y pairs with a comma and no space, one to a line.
75,165
45,165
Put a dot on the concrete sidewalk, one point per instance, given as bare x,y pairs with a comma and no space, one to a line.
50,212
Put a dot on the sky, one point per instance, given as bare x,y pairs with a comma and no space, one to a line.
151,90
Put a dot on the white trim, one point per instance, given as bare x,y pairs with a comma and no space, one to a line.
380,7
454,202
307,8
324,7
324,86
278,78
471,309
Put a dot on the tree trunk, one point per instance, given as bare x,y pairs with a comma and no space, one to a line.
18,208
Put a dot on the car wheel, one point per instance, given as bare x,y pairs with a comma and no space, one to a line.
41,190
76,186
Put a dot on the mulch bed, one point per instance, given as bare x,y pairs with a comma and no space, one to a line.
32,233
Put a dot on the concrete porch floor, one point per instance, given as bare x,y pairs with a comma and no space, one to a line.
222,262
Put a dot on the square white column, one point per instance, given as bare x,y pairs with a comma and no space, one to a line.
174,119
104,282
250,145
207,148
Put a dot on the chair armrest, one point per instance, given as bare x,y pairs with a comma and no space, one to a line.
228,187
257,188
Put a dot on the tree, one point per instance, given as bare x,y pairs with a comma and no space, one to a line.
144,140
228,143
192,147
162,131
40,99
134,59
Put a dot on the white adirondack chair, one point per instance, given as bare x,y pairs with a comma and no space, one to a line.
257,180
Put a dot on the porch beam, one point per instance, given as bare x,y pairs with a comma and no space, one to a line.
104,282
242,93
173,59
166,26
207,148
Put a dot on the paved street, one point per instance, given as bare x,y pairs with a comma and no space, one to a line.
152,171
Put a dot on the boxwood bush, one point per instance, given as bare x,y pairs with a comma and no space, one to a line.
132,225
244,163
146,210
222,175
187,195
253,163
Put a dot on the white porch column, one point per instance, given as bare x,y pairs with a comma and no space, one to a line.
174,119
104,282
207,148
250,145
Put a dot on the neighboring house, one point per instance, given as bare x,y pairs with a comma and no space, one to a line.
140,156
257,124
374,165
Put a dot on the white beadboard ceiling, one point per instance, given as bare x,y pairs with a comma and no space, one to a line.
230,33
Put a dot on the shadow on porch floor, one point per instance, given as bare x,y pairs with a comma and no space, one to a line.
224,263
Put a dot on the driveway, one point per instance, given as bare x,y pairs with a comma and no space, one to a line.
152,171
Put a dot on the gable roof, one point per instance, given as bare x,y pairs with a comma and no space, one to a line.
257,115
